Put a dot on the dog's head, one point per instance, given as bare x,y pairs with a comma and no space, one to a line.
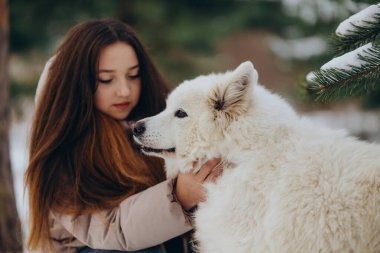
195,122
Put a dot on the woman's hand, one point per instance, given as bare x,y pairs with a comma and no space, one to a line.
189,189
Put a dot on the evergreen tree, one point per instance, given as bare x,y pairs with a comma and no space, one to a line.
355,71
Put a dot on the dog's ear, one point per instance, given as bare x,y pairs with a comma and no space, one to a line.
233,97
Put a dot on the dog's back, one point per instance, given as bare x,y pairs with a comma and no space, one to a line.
298,187
304,193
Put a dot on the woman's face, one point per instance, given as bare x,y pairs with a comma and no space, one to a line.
118,78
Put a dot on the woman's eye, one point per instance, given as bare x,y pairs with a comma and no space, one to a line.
105,81
180,113
134,76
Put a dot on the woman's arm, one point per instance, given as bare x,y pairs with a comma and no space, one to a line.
148,218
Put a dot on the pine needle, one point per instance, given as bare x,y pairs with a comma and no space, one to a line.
329,84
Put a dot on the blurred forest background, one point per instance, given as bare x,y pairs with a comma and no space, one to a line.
284,39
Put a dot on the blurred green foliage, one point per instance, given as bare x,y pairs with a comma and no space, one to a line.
182,35
36,24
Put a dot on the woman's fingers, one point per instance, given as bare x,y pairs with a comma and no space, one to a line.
189,188
214,175
207,168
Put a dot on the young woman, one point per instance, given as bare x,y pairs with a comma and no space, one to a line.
89,186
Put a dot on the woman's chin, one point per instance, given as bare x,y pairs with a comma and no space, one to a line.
119,116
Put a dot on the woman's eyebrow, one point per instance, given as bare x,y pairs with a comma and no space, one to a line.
110,70
134,67
105,70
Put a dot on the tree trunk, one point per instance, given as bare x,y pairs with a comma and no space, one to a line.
10,227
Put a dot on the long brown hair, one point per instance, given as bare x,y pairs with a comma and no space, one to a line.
82,160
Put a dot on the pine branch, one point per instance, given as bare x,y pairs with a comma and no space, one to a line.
358,36
336,82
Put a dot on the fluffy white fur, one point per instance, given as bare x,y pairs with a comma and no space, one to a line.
295,186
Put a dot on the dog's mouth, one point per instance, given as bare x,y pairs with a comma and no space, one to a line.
156,150
147,149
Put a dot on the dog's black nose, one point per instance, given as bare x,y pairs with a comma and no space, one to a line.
139,128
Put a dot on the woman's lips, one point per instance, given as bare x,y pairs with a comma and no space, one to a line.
122,106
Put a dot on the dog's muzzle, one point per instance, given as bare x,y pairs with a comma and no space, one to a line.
138,128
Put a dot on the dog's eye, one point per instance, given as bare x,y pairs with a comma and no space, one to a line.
180,113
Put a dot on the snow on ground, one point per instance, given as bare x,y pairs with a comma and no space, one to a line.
310,11
19,155
362,124
298,49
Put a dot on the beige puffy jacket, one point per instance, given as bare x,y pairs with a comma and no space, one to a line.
143,220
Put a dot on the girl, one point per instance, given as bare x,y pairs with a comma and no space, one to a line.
89,186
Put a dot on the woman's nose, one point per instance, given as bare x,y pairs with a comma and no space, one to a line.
123,90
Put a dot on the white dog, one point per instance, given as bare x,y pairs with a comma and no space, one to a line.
295,187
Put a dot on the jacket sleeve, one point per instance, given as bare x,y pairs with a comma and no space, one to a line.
143,220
